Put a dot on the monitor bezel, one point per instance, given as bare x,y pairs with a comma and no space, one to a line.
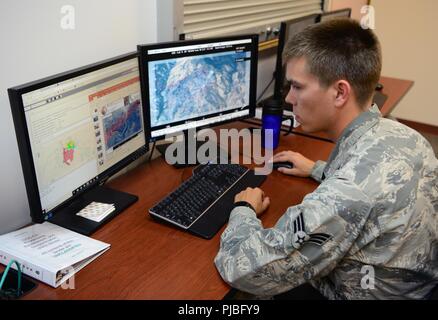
143,62
282,40
23,139
335,12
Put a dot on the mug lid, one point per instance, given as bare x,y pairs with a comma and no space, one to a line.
272,106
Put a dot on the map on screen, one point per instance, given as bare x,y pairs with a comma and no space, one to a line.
188,87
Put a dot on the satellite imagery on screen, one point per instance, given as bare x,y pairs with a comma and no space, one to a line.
122,123
187,86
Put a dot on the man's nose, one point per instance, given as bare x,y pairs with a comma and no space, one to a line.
290,98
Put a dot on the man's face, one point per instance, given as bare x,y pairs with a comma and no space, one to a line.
313,105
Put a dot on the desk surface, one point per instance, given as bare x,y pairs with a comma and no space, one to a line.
395,89
149,260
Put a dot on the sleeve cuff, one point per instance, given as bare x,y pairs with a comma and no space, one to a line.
318,170
242,211
244,204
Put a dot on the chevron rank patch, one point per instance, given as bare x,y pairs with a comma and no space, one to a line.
300,236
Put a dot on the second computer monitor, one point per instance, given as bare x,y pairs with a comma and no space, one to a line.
330,15
74,131
198,83
287,30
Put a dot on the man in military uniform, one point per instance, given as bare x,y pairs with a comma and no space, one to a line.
376,207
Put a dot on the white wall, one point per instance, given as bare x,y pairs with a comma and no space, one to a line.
170,23
355,6
33,45
408,33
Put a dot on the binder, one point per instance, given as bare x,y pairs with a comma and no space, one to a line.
49,253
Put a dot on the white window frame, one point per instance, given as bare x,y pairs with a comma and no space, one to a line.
197,13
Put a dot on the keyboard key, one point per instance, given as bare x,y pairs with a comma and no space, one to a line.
193,197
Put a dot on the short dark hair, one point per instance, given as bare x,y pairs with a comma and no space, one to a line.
340,49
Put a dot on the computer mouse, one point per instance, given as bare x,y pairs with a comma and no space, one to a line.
282,164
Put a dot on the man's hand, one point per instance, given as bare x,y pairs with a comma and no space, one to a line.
255,197
302,166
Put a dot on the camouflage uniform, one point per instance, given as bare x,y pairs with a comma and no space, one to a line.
376,207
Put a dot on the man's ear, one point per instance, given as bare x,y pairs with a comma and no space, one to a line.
343,92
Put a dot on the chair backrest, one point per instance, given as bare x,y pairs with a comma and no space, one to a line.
434,294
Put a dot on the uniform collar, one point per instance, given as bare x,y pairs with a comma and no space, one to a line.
351,134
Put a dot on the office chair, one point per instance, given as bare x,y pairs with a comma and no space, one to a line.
434,294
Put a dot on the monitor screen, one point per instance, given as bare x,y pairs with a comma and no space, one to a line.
287,30
198,83
342,13
76,129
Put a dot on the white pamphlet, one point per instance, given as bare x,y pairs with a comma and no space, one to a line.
49,253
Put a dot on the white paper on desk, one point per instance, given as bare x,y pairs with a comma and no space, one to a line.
48,252
96,211
259,113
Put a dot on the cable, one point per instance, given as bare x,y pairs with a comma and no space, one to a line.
292,120
152,151
264,90
5,273
293,131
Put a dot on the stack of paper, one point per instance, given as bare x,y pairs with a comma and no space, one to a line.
96,211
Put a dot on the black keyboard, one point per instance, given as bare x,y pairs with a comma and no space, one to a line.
193,198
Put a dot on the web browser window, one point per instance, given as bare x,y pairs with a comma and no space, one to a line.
81,127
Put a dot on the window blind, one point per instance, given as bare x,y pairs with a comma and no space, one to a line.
209,18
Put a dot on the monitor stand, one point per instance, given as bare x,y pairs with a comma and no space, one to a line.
67,216
189,148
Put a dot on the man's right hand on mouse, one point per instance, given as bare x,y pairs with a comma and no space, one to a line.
302,166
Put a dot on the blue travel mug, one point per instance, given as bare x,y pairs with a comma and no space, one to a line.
271,119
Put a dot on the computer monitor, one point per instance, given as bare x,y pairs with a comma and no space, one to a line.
342,13
74,130
198,83
287,30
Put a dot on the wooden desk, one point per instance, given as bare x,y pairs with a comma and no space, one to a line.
395,89
150,260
